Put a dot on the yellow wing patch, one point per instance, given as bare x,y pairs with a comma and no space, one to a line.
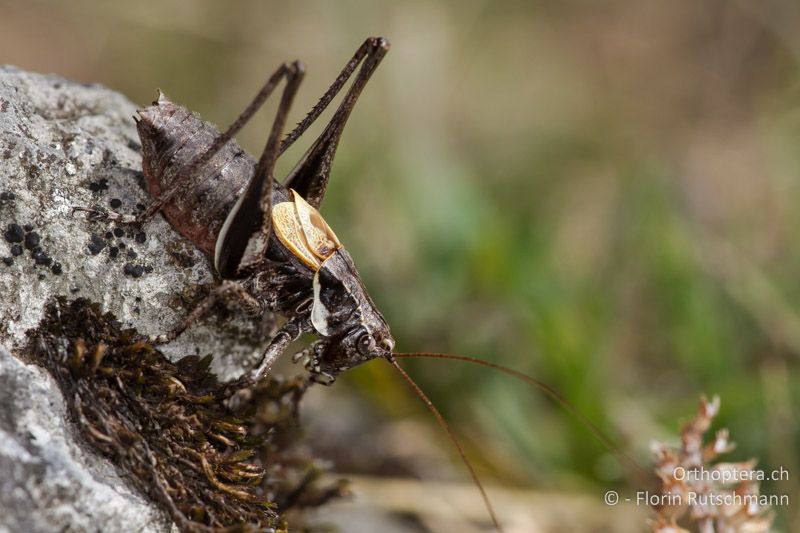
319,236
302,229
287,228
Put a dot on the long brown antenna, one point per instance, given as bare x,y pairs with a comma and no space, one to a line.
446,427
552,393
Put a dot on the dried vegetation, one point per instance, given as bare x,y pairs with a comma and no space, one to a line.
699,492
169,428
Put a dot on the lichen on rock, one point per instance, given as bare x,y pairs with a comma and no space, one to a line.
65,145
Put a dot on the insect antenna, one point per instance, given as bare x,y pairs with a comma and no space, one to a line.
443,423
549,391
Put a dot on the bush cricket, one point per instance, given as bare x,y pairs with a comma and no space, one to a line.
271,248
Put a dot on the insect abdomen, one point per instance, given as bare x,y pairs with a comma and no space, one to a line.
172,136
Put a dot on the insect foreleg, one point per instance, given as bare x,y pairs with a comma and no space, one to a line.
287,334
228,291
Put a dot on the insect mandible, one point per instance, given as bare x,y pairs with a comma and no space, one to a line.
271,248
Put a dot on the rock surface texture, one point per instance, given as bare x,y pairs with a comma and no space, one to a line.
64,144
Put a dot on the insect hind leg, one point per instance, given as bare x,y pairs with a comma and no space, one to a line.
244,237
183,178
310,176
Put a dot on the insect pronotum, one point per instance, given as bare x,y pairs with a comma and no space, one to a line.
271,248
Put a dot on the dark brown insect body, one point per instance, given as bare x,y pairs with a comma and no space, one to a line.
270,245
282,279
171,137
268,242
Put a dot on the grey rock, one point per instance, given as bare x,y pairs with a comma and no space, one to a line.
48,482
64,144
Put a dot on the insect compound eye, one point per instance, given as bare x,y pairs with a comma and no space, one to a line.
366,344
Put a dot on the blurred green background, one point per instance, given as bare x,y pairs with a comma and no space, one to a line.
601,194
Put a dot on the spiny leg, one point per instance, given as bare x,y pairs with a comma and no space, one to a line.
310,176
250,218
368,47
184,176
244,237
287,334
227,290
374,47
239,393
